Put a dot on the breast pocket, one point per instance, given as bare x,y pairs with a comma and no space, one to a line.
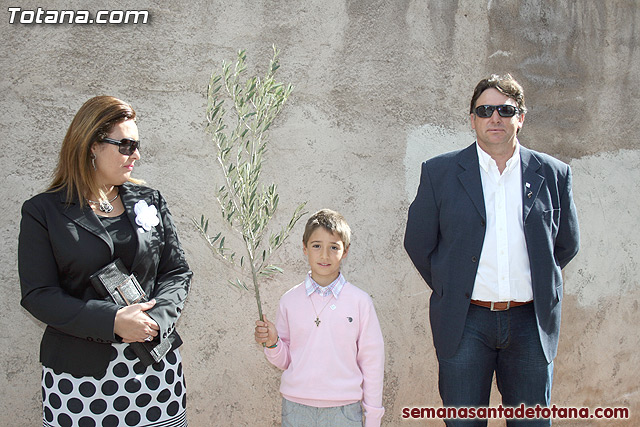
551,219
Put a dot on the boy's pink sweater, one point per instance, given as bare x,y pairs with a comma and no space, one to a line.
339,362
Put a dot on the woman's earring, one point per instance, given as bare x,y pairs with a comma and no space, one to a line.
93,161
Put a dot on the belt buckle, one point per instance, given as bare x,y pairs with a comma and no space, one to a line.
495,309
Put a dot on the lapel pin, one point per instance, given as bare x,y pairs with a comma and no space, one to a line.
529,194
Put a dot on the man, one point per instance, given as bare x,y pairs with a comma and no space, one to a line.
490,230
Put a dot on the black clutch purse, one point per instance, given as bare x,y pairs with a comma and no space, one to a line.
114,283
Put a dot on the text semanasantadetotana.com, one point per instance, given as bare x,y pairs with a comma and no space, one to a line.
18,15
519,412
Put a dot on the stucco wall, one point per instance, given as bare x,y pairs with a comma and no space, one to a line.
379,87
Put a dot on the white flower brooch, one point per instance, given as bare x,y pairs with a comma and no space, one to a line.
146,216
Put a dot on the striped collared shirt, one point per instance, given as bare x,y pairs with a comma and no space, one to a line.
335,287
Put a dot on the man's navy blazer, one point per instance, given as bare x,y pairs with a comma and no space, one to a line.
446,228
61,245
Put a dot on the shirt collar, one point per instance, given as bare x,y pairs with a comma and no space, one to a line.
486,161
335,287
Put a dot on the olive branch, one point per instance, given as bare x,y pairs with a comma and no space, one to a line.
246,204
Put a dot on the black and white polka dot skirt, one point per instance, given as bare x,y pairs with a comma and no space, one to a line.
128,394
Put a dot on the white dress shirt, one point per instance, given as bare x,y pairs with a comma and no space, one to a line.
504,273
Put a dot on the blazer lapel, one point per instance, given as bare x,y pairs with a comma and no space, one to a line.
531,181
86,219
129,198
470,178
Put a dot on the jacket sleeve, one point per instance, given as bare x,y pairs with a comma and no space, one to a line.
42,294
421,235
568,238
173,276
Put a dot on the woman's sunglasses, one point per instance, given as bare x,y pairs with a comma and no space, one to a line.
505,110
126,146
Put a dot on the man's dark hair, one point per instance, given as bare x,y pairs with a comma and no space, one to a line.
506,85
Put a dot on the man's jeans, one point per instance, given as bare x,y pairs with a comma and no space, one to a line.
508,343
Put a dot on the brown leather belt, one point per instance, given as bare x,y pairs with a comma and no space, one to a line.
499,306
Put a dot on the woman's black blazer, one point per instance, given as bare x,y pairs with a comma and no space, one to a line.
61,245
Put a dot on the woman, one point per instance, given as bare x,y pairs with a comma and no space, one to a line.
87,218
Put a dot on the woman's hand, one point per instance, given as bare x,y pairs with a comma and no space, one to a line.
266,332
132,324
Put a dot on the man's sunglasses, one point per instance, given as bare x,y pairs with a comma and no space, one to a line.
126,146
505,110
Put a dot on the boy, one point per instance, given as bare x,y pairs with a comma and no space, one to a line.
327,338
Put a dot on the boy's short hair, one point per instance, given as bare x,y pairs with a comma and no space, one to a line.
331,221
